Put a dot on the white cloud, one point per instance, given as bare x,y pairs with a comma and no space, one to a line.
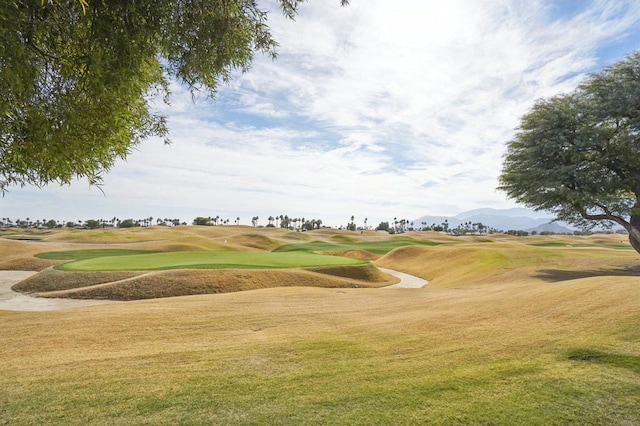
379,109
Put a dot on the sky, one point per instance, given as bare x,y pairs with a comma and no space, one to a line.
377,110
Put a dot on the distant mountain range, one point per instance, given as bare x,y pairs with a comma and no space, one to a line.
501,219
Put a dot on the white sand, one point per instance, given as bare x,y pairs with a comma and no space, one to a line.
406,280
14,301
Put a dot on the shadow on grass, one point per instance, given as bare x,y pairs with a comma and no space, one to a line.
557,275
629,362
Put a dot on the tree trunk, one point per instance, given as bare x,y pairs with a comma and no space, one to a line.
634,232
632,227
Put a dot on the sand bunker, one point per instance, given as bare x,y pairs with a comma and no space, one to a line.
13,301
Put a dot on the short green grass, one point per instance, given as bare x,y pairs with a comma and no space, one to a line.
376,247
203,260
89,254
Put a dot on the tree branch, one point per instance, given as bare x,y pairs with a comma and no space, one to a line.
606,216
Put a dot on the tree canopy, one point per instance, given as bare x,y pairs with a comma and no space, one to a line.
76,75
577,155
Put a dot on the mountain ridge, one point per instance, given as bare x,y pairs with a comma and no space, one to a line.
501,219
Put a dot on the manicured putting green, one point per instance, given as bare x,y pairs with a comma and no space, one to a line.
205,260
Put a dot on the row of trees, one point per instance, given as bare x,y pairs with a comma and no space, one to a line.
293,223
114,222
403,225
281,221
214,221
297,224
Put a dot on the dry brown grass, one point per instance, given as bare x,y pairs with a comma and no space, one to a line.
471,260
512,261
53,280
53,283
486,342
189,282
355,254
254,240
18,255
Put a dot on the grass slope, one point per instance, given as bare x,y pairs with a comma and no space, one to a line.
188,282
508,262
565,353
505,333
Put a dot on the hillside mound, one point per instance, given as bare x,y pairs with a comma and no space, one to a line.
354,254
18,256
444,265
467,265
298,236
26,264
54,280
256,241
191,282
367,272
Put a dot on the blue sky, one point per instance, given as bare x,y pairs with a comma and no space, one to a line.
381,109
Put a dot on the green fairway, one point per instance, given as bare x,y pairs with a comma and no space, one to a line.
204,260
377,247
89,254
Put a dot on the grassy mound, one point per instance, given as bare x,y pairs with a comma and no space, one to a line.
256,241
367,272
464,265
354,254
191,282
25,264
53,280
298,236
18,256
